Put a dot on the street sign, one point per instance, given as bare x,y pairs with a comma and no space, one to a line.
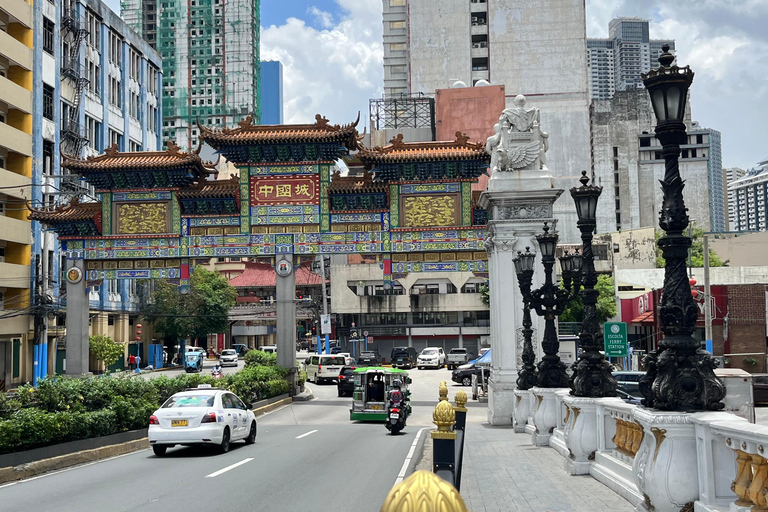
325,324
615,339
353,334
365,333
370,339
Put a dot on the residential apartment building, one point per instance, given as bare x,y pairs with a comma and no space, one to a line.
271,92
211,64
96,84
751,196
615,64
533,48
627,162
16,108
730,175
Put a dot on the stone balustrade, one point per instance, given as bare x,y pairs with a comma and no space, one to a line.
659,461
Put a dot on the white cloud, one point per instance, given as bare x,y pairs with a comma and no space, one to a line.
324,18
334,71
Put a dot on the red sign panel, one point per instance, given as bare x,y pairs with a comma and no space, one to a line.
285,190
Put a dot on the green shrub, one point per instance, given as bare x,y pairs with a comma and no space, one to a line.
302,378
257,357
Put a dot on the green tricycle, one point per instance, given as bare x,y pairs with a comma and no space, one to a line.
371,388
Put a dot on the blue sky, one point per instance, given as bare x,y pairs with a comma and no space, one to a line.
276,12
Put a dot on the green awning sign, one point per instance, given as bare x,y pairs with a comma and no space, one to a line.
615,338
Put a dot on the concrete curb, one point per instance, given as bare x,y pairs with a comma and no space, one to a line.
64,461
28,470
418,452
304,396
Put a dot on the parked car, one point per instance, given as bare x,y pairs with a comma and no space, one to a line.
228,357
431,356
369,358
335,350
457,357
321,368
463,374
630,399
346,382
760,388
206,415
241,348
629,382
404,357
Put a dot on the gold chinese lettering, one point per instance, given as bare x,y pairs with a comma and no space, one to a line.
142,218
302,190
283,191
266,190
427,211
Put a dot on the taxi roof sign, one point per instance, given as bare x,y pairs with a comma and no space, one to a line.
204,386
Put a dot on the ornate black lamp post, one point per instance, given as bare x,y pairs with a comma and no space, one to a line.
526,378
549,301
591,373
680,373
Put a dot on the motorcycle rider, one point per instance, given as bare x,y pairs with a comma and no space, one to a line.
396,395
216,372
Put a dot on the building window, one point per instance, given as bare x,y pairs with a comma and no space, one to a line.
115,91
93,25
93,132
48,102
93,77
47,157
396,25
135,69
115,48
397,47
116,138
48,35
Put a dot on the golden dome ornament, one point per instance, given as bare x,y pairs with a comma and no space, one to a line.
424,491
443,390
444,416
461,400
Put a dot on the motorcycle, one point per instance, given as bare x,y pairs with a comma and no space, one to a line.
216,373
397,410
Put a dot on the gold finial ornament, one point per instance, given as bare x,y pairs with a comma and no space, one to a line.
444,417
443,390
461,400
424,491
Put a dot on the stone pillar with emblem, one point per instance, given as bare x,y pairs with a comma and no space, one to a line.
519,199
285,293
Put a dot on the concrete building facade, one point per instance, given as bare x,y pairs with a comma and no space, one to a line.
751,196
615,63
210,51
271,92
627,162
533,48
731,174
16,120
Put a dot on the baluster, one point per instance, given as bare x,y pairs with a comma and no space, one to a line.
622,442
741,484
757,487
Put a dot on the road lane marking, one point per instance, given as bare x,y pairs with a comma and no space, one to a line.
307,434
408,458
228,468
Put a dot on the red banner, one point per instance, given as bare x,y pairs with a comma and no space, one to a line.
285,190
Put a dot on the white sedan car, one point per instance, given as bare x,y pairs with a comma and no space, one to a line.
228,357
206,415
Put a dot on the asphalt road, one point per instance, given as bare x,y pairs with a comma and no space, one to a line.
307,456
208,365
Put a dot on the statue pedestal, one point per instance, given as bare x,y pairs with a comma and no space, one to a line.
666,465
523,400
546,413
517,215
580,427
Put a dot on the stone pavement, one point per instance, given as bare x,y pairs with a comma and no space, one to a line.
504,472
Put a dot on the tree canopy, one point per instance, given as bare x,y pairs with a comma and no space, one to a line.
204,310
697,250
606,302
105,349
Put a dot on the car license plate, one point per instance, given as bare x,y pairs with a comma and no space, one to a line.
179,423
394,415
376,407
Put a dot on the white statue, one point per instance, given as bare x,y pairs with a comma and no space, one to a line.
518,141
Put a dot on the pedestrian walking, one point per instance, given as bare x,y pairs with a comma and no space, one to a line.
131,362
138,362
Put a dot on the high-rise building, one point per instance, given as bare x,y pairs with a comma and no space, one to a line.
615,63
628,163
96,84
211,63
271,92
751,198
730,175
533,48
16,107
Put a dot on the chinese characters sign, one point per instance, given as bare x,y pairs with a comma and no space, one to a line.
421,211
288,190
142,218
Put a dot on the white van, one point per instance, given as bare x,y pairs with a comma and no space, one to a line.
269,349
323,367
